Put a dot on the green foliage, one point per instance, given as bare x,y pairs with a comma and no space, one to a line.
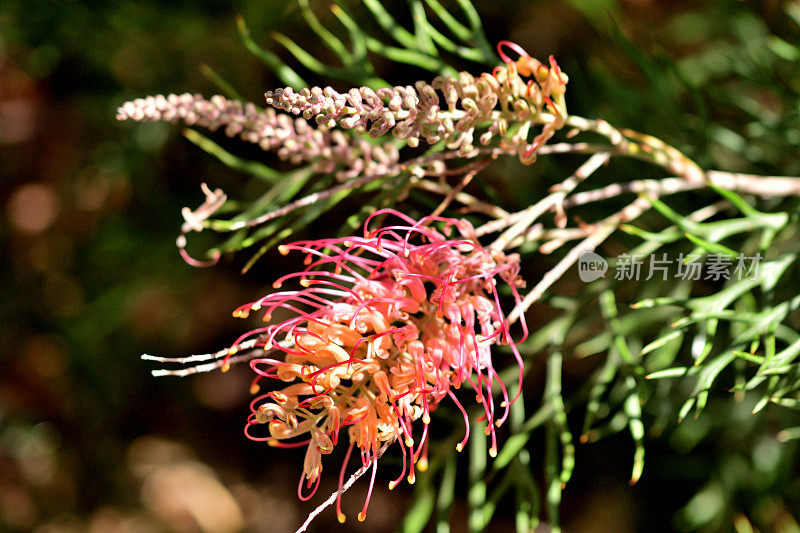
683,342
700,377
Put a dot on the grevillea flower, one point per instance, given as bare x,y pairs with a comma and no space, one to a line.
382,329
524,92
294,140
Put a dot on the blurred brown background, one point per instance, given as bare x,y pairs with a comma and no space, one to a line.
90,277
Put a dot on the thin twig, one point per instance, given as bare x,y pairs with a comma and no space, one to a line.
667,156
218,359
457,189
473,203
604,229
553,275
207,367
765,186
599,126
312,199
350,482
197,358
529,215
657,187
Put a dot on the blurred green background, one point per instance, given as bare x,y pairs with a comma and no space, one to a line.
90,277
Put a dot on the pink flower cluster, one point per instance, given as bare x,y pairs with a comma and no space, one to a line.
384,327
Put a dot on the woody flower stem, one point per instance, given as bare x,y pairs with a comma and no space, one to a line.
518,226
587,245
551,202
341,490
764,186
769,186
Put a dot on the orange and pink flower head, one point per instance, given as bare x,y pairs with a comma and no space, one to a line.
383,328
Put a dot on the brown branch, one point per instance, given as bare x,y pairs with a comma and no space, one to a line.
350,482
457,189
553,275
473,203
764,186
217,359
523,220
604,229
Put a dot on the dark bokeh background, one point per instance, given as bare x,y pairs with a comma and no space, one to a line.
90,277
